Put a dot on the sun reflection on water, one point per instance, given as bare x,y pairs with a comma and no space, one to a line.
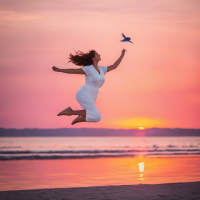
141,169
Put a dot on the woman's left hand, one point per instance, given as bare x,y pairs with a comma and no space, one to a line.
123,51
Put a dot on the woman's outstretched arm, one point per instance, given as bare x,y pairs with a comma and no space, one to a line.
69,71
114,66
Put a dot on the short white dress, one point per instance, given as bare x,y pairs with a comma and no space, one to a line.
87,94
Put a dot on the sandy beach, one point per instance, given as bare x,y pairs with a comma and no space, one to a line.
183,191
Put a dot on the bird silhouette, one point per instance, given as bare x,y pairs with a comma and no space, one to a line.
126,39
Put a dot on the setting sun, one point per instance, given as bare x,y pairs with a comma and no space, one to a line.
141,128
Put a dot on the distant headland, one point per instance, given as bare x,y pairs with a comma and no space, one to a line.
100,132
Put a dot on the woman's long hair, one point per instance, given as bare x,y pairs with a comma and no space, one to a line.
82,59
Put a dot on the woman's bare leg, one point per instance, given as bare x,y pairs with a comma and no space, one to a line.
68,111
79,119
79,112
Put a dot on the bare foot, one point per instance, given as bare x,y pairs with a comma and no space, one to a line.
78,119
67,111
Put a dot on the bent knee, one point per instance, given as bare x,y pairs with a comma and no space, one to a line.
95,118
98,118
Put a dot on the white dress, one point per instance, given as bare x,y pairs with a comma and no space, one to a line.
87,94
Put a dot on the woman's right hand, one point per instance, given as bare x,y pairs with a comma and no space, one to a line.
55,68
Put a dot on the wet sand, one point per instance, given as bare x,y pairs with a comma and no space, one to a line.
169,191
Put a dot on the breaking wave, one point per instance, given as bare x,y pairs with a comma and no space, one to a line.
72,154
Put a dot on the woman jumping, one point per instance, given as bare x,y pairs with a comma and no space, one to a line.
94,78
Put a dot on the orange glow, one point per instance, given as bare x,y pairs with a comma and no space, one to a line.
140,122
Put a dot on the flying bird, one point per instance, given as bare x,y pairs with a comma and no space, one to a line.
126,39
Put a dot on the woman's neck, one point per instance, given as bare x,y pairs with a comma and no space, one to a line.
95,64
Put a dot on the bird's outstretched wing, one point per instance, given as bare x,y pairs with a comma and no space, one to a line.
130,42
123,35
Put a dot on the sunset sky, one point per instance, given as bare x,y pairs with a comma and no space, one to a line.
157,83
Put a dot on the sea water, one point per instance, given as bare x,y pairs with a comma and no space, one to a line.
90,147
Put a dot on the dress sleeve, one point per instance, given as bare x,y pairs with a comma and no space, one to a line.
86,69
104,69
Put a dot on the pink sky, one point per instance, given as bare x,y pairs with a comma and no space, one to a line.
156,85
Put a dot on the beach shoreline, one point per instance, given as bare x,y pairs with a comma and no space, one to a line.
183,191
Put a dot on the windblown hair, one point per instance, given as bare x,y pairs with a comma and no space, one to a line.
82,59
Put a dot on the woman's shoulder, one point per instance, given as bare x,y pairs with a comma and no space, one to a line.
102,66
87,69
104,69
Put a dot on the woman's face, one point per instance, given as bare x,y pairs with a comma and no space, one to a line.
97,57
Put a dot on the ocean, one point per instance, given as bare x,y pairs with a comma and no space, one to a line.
64,162
34,148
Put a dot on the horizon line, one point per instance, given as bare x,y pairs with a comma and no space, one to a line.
104,128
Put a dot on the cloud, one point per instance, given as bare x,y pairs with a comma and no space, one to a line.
12,15
50,5
121,6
